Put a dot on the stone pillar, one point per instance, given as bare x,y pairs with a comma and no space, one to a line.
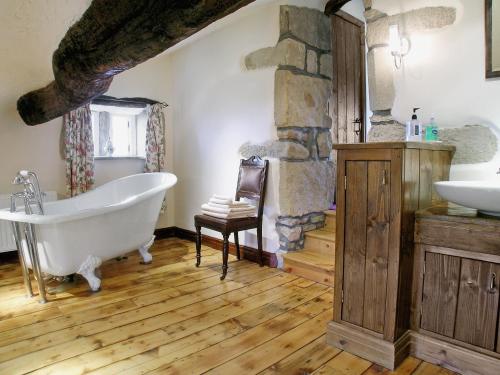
303,89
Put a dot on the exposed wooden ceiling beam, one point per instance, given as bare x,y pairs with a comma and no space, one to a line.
333,6
111,37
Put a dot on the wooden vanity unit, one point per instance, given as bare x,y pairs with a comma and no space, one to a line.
455,305
379,188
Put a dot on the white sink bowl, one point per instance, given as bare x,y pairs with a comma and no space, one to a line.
481,195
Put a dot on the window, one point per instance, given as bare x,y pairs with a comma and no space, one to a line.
119,132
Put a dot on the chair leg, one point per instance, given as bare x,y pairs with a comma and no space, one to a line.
198,246
237,244
225,252
259,245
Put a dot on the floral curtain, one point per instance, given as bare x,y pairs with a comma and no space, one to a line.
155,139
78,151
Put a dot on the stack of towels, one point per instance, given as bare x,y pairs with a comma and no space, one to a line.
225,208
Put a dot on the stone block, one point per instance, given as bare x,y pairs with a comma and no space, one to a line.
249,149
409,22
291,234
387,133
309,227
301,101
324,142
380,119
312,62
275,149
317,218
326,65
474,143
380,79
289,150
373,15
306,24
297,134
305,187
287,52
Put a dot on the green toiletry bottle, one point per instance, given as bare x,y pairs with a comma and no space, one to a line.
431,131
434,130
428,132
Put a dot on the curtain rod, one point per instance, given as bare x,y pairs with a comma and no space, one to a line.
125,102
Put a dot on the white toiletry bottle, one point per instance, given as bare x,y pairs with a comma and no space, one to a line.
414,128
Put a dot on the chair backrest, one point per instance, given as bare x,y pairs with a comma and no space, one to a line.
252,180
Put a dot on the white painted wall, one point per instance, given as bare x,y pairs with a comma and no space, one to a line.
218,105
215,104
30,32
444,74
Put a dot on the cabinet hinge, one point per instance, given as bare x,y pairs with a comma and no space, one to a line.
345,182
424,269
342,296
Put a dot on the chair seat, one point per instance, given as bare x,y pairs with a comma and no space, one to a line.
225,225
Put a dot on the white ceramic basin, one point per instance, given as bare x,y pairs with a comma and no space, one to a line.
481,195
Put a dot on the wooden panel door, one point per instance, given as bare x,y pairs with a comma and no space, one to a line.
440,292
477,310
355,241
377,245
366,243
348,80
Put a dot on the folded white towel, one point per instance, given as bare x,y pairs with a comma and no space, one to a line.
227,203
228,216
239,205
222,197
220,201
227,210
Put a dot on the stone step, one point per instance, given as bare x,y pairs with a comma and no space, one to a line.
321,242
330,221
309,264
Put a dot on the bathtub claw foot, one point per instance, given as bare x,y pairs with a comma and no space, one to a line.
147,258
87,270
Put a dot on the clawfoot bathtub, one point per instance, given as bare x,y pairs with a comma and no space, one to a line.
76,235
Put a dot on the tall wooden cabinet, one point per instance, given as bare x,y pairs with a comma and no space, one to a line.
379,188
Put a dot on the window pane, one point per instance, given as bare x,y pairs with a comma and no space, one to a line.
95,131
120,135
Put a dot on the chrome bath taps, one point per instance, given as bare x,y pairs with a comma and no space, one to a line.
32,194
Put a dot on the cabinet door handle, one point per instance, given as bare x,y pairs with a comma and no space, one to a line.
492,283
384,177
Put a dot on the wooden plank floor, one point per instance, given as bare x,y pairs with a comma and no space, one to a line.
172,318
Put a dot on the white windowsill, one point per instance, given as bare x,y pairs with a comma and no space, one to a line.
119,158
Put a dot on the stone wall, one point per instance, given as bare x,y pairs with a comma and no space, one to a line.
303,127
475,143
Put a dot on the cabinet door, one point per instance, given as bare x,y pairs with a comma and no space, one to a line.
440,292
366,243
477,309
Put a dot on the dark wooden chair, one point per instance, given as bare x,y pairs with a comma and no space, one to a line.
252,185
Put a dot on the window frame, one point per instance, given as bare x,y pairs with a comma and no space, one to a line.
133,129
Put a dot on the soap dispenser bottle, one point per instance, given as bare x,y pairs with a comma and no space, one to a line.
414,128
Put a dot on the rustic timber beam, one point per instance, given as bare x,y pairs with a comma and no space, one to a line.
333,6
111,37
125,102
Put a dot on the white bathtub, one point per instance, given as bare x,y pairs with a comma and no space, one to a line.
75,235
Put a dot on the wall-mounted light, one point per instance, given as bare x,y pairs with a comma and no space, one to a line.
398,45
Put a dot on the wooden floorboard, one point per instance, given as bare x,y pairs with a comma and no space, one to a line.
170,317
